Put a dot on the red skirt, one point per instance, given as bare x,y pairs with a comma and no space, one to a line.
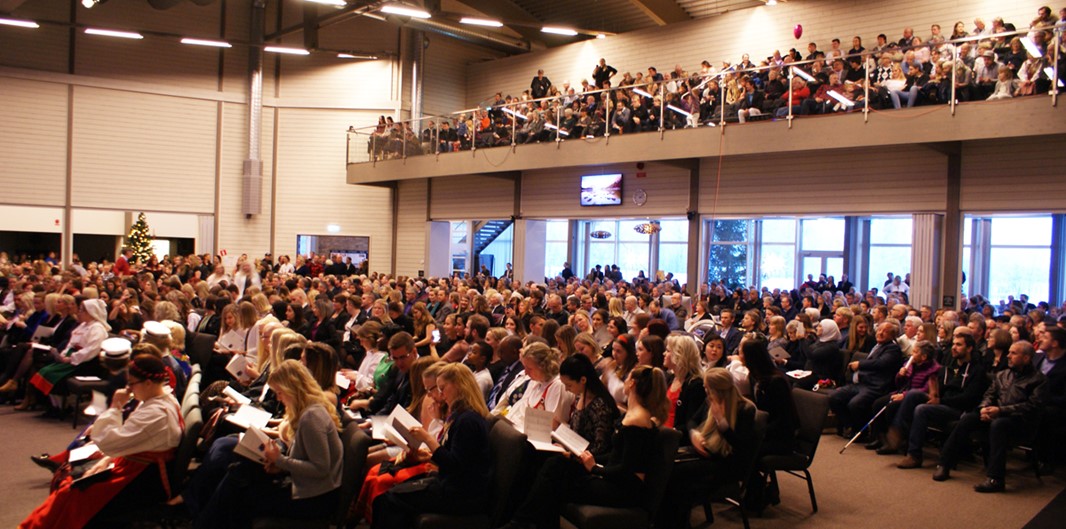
377,484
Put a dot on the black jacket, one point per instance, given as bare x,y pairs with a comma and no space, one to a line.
1017,392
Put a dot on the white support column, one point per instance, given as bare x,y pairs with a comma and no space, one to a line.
925,287
438,259
529,236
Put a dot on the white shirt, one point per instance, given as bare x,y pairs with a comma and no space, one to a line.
154,426
85,342
484,381
550,395
364,376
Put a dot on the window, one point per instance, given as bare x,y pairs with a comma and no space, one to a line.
777,254
890,249
673,249
729,255
556,239
1006,256
459,247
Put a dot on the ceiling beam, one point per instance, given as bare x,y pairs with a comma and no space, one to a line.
662,12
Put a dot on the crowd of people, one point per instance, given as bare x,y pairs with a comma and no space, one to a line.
614,360
892,73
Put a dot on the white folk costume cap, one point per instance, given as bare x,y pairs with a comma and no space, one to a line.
97,309
156,328
116,348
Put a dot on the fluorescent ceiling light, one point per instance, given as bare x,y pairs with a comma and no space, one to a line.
843,100
1030,47
481,22
641,92
771,2
685,113
601,36
353,56
404,10
333,228
338,3
289,51
559,31
204,42
515,114
19,23
800,72
113,33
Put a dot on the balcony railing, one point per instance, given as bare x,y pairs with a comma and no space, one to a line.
706,99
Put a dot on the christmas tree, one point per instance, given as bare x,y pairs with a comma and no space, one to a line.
139,241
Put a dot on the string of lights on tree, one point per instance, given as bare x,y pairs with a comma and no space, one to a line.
139,240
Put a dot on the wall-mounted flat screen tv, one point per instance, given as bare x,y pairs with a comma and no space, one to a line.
601,190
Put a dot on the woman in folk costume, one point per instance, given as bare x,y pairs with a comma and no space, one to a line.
135,450
81,356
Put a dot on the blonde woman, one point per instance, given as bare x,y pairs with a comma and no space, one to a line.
314,460
685,391
544,391
615,308
721,435
460,452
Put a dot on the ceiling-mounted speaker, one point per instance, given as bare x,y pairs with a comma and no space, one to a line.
163,4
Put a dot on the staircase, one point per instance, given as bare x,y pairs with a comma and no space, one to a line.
487,231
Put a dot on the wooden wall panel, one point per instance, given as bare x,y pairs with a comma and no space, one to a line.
554,194
411,226
33,142
898,180
311,188
472,197
758,31
1014,175
238,234
154,151
445,72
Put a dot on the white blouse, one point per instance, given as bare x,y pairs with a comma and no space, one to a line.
85,342
154,426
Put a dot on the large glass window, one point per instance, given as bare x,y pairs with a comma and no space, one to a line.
777,263
1020,258
556,239
673,249
459,247
729,255
890,248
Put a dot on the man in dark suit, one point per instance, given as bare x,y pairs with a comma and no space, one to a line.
730,334
1053,423
871,378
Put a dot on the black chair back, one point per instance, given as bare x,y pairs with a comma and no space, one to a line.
655,482
510,456
812,408
194,422
199,346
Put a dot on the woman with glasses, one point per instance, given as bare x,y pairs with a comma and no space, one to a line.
131,452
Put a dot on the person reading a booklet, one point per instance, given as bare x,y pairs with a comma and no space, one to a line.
133,450
595,412
720,433
460,452
542,388
618,483
310,452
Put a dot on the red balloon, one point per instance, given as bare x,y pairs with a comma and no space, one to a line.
798,31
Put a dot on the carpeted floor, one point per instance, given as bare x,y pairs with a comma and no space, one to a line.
855,489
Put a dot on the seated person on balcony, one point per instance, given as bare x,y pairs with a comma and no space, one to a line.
620,122
799,93
1010,409
538,88
751,100
1006,85
639,116
869,379
821,102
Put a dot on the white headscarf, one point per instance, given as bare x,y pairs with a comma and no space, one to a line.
830,331
97,309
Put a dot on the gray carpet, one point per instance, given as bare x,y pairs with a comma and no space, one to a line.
856,489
